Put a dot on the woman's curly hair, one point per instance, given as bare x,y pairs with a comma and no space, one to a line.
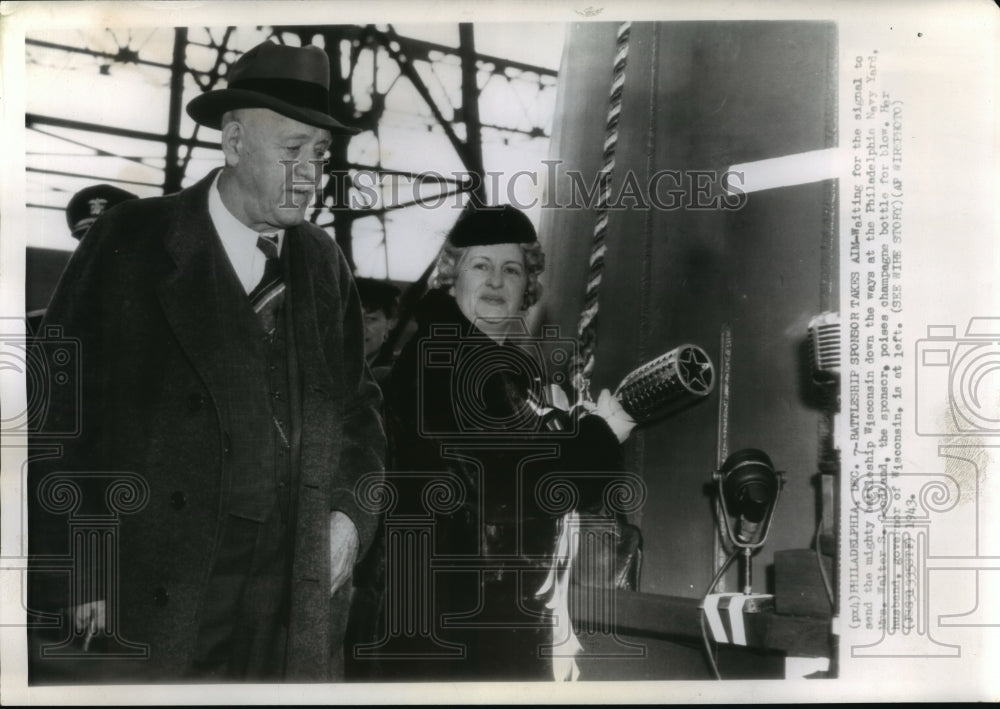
446,269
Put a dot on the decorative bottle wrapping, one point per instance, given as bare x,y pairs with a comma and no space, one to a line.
667,384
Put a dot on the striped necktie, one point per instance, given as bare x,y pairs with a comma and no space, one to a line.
268,295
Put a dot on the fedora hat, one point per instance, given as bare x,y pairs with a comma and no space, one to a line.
292,81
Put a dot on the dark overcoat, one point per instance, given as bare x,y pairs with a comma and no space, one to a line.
460,416
145,298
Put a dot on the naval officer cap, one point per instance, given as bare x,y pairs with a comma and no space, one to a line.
89,203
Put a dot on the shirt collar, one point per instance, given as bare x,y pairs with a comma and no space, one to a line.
228,226
238,240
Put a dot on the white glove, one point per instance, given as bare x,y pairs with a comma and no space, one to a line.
343,549
609,409
89,618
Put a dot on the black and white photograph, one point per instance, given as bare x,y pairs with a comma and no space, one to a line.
426,354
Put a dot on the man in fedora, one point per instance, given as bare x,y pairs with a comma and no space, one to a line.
222,379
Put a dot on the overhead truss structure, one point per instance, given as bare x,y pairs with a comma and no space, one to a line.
368,63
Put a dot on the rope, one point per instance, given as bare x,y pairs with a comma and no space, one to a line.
587,327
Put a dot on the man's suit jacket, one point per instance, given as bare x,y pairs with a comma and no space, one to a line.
146,296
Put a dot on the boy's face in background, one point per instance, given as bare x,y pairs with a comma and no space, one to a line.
376,329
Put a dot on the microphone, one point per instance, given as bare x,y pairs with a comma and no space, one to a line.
824,348
749,490
666,384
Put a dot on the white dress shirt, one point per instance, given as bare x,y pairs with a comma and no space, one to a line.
239,240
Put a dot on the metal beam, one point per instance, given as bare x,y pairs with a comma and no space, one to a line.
98,151
407,69
31,119
61,173
533,133
173,174
422,49
212,78
374,212
459,189
421,176
100,55
470,109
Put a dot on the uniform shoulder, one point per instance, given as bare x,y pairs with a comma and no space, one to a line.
142,209
131,226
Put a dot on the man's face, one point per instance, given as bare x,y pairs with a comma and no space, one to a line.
273,165
376,328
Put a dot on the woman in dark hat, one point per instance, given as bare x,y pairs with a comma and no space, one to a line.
475,445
